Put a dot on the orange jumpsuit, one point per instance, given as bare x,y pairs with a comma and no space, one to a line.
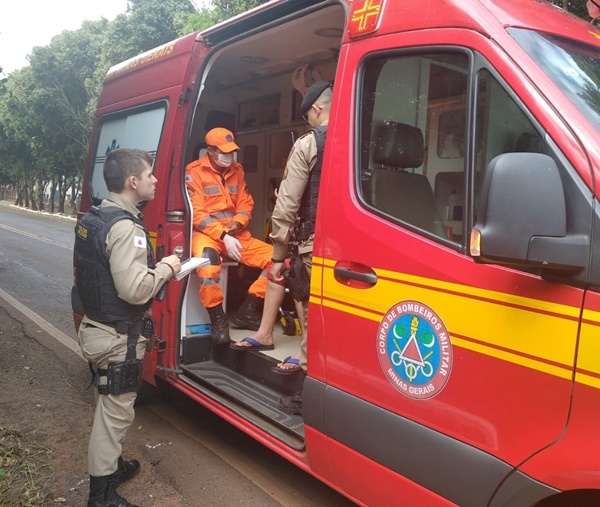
217,200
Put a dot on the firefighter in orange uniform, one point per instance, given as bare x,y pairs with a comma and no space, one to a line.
222,210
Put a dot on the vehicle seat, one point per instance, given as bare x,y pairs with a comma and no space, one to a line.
530,142
405,195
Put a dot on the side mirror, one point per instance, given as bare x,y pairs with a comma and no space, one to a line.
522,218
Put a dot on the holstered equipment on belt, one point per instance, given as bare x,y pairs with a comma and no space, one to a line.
124,376
297,279
304,229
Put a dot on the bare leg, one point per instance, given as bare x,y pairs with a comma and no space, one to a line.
300,312
273,299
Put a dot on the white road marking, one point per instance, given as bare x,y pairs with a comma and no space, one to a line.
34,236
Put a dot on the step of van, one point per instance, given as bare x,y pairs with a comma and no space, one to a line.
249,398
255,365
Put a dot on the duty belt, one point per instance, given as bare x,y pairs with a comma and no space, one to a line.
126,327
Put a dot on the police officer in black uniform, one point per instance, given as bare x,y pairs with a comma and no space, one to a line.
116,281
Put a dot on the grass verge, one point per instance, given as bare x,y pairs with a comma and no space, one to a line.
25,471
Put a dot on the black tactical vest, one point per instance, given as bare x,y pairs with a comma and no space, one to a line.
92,268
308,205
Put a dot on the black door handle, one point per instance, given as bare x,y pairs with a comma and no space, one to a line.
370,278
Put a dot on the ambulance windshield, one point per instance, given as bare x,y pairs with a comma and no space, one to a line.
572,65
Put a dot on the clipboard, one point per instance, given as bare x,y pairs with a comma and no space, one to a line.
190,264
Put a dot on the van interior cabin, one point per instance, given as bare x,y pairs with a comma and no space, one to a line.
247,87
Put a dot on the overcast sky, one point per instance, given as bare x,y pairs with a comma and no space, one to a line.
28,23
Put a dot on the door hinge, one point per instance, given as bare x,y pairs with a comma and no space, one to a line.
184,97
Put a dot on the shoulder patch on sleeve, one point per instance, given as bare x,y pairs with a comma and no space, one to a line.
189,178
139,241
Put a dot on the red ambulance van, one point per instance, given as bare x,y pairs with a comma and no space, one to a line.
454,338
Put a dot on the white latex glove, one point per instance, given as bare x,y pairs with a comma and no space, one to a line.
232,245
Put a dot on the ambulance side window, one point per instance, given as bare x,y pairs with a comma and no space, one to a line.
139,129
412,141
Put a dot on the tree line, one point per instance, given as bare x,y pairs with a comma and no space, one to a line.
47,108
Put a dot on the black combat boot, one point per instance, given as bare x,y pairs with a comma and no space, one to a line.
127,470
219,325
291,404
249,313
103,494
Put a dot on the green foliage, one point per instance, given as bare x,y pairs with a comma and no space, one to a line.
576,7
229,8
148,24
218,10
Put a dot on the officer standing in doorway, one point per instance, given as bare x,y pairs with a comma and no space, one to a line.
294,215
116,281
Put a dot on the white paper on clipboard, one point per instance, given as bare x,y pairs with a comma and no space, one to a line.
190,264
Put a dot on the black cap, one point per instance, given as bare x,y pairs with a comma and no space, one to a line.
312,94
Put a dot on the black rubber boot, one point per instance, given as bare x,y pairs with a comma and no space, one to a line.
127,470
249,313
103,494
219,325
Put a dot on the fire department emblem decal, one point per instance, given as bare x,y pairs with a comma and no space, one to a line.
414,350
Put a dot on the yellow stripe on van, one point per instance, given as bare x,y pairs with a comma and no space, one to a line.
467,311
588,363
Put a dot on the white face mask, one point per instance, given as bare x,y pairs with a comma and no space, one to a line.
225,159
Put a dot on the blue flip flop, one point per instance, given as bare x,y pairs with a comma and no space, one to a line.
254,345
288,371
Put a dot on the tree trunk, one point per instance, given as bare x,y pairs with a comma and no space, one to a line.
52,192
39,194
62,195
74,194
26,194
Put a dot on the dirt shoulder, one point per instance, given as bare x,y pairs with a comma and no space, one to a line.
46,414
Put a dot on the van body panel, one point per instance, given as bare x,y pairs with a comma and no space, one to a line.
157,69
435,376
559,465
507,359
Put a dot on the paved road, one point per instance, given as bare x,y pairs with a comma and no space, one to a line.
36,278
36,258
